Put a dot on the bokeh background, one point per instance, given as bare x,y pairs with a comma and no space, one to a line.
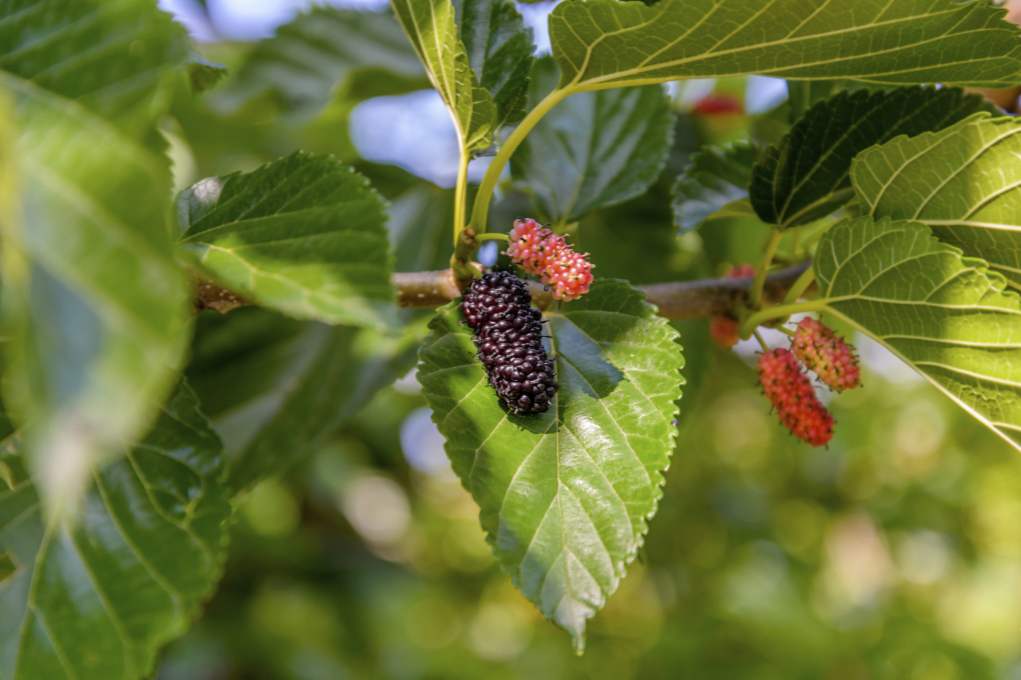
893,553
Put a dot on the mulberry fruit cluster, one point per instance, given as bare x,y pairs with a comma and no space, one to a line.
508,336
548,256
791,393
826,354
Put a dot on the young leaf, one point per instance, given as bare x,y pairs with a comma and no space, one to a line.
432,29
964,182
608,43
275,388
97,308
807,175
302,65
565,496
97,600
945,314
716,177
304,235
500,52
113,57
594,150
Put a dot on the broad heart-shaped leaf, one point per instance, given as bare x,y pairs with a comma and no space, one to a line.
608,43
500,52
943,313
112,56
304,235
716,177
97,309
95,601
300,67
964,182
432,29
276,388
565,496
594,150
807,175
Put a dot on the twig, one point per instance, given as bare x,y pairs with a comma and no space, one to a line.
676,300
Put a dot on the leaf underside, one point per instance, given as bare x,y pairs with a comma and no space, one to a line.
964,182
945,314
608,43
565,496
715,178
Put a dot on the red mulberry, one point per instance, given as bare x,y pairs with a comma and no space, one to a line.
542,253
826,354
508,336
791,393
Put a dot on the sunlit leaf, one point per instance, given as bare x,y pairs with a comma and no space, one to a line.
304,235
807,175
608,43
964,182
945,314
97,600
594,150
96,306
565,496
432,29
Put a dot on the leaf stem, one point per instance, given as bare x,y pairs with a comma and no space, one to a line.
780,312
492,236
803,283
461,194
763,271
480,209
761,340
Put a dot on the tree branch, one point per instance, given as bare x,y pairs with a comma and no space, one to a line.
676,300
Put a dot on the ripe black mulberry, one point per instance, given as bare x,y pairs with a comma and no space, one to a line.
508,336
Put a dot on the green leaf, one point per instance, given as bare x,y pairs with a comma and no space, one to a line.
276,388
304,235
964,182
98,599
565,496
204,74
945,314
607,43
594,150
432,29
114,57
716,178
500,53
807,175
97,308
309,57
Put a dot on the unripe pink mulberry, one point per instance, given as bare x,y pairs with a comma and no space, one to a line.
542,253
826,354
791,393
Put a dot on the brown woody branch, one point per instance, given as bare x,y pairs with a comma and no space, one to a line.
676,300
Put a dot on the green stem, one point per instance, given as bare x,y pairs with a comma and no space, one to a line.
763,271
780,312
799,287
480,209
761,340
460,195
492,236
